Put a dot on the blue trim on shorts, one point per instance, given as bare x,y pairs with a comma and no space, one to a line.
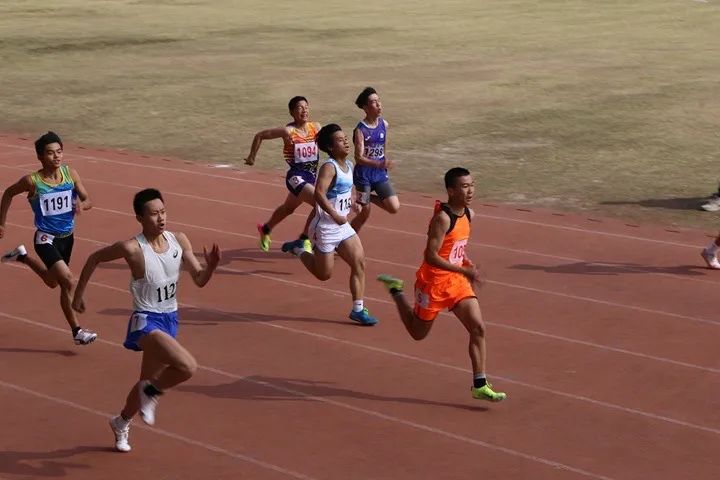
141,323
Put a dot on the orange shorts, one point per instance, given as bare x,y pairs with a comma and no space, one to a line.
433,297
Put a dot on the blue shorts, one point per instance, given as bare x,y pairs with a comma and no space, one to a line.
364,175
142,323
296,179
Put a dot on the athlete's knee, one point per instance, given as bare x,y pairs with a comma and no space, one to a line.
187,366
392,207
358,264
323,276
476,330
67,282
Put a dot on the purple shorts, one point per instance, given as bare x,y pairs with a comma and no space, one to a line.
296,179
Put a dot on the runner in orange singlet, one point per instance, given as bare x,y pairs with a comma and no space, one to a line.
301,154
446,277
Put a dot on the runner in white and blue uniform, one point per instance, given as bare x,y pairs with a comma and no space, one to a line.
155,257
371,171
330,230
56,194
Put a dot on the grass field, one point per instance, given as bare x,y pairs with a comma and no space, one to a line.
609,107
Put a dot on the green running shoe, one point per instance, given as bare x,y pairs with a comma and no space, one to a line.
391,283
264,238
487,393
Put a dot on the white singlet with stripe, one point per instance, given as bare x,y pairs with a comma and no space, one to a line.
156,292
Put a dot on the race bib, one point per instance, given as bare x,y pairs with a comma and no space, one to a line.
422,299
138,321
43,238
56,203
296,181
375,152
343,203
306,152
457,254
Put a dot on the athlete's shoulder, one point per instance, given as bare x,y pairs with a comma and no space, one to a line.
471,214
385,122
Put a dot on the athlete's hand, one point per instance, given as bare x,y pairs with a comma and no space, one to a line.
471,271
78,304
250,161
212,258
2,231
388,164
339,219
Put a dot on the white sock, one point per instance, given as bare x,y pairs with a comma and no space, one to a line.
712,248
358,305
121,422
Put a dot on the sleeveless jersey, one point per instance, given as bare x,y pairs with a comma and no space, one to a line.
156,291
339,194
452,248
54,205
303,152
374,149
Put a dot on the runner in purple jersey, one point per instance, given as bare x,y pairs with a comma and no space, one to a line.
371,164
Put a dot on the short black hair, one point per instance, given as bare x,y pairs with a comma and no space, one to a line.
144,196
362,99
45,140
294,101
324,136
453,174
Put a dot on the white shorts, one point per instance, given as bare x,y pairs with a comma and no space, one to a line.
326,237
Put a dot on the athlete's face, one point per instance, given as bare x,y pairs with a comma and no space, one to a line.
301,112
153,217
373,107
52,156
463,191
340,147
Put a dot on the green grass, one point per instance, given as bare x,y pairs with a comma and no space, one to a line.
609,107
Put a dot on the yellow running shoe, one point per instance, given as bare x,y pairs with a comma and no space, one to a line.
391,283
264,238
307,245
487,393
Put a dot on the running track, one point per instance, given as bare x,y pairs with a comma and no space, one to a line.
604,335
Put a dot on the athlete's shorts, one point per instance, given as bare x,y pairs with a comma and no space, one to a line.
142,323
433,297
383,190
326,237
52,248
296,179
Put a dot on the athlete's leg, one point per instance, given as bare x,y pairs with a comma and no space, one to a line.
469,314
415,326
307,195
283,211
64,277
363,201
386,197
352,252
40,270
709,254
318,263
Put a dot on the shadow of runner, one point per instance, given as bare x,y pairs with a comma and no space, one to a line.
610,268
206,317
62,353
45,464
257,387
678,203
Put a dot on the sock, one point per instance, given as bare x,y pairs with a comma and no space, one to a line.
303,237
21,258
712,248
479,380
151,391
358,305
122,422
75,331
265,229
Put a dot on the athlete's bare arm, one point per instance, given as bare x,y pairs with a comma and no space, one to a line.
269,134
83,196
126,249
200,275
23,185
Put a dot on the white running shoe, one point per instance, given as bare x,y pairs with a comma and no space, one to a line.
19,251
121,434
148,404
710,259
712,205
83,337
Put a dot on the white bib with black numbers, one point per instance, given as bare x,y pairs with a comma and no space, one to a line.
157,290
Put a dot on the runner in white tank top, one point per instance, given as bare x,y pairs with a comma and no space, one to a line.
154,258
156,291
330,231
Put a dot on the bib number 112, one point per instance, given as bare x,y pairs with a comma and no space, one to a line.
166,293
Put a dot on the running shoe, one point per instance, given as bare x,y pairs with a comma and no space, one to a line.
121,434
363,317
13,254
487,393
264,238
148,403
391,283
84,337
710,259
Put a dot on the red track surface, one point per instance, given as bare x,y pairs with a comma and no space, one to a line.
603,334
